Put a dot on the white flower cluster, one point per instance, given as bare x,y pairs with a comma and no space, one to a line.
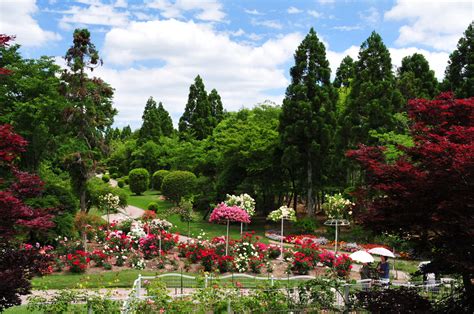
283,212
242,253
336,206
110,201
244,201
138,264
160,224
136,231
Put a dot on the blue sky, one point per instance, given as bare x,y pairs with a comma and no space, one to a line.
243,49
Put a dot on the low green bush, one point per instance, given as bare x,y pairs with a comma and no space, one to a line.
157,178
125,178
306,226
120,183
106,178
138,180
114,175
153,206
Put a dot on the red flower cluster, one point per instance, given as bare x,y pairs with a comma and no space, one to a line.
78,261
99,257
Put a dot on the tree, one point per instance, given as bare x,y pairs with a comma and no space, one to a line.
459,74
138,180
196,121
89,110
374,97
147,156
178,184
164,120
158,177
416,79
345,72
150,130
217,109
307,118
425,196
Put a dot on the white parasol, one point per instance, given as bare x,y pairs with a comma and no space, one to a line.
362,257
381,251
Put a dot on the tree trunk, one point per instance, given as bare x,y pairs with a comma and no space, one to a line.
468,287
309,202
82,200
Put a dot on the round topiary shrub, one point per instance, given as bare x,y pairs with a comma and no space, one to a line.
157,178
178,184
125,178
120,183
152,206
114,175
106,178
138,180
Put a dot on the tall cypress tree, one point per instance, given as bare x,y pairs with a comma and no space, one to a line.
150,129
416,79
459,75
374,97
217,109
307,118
196,120
345,72
165,122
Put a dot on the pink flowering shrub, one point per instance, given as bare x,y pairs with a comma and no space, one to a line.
232,213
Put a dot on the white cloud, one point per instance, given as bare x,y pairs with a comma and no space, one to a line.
243,74
253,12
267,23
326,1
371,16
347,28
121,4
293,10
436,24
209,10
16,18
96,13
315,13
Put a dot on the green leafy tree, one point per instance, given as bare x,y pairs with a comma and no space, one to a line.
196,121
307,119
416,79
138,180
374,97
126,132
345,72
147,156
89,110
459,75
178,184
158,177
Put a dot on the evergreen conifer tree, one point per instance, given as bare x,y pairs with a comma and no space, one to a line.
217,109
345,72
416,79
307,118
196,121
373,98
150,129
165,122
459,75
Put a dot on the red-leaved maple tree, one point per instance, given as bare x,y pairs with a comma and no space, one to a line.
427,195
17,265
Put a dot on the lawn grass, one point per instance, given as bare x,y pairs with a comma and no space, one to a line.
196,227
105,279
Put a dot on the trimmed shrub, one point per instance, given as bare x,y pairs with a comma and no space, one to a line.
306,226
125,178
153,206
158,177
120,183
95,188
178,184
106,178
114,175
138,180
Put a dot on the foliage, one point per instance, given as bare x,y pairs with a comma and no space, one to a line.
401,300
399,196
345,72
306,225
106,178
138,180
153,206
459,74
120,183
318,294
97,190
158,177
178,184
283,212
156,123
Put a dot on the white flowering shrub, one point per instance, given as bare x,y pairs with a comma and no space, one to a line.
110,201
244,201
337,207
283,212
